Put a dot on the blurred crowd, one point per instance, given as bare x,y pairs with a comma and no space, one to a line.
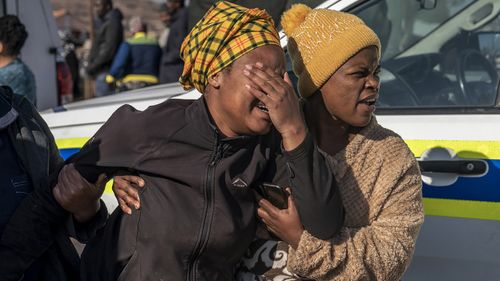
123,55
118,55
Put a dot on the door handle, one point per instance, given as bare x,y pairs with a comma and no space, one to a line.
460,167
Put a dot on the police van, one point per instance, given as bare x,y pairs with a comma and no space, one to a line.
440,92
41,47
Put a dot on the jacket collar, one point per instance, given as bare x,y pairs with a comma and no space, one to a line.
7,112
199,115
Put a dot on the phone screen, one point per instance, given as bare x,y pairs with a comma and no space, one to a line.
275,194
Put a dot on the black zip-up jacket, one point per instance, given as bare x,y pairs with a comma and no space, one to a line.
197,213
29,237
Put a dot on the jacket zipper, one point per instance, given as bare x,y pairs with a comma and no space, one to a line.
208,210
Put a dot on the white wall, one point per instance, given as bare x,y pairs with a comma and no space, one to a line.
36,15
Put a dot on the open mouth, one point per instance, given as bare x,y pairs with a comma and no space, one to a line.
369,102
262,107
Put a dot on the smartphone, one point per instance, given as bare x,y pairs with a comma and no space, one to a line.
275,194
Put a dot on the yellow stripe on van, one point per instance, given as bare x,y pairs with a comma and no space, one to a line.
78,143
432,206
464,149
462,209
71,143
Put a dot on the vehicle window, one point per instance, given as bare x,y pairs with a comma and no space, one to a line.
2,8
489,42
400,24
427,61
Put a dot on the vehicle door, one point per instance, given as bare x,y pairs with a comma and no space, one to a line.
440,69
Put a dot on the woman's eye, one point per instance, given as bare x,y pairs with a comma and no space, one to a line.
360,73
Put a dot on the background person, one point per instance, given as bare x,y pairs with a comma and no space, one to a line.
108,37
171,63
34,228
13,72
136,64
167,10
28,159
165,18
275,8
337,60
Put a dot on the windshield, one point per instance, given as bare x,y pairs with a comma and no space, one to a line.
400,24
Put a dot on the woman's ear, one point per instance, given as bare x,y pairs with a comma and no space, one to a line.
2,47
215,80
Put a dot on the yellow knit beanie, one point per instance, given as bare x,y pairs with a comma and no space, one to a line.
320,41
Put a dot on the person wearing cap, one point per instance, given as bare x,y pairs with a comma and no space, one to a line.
201,160
336,58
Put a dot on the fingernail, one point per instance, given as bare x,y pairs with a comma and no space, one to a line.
248,66
259,64
247,86
136,206
246,72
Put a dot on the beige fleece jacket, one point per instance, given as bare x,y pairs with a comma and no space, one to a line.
380,185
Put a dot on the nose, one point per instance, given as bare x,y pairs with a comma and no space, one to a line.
372,82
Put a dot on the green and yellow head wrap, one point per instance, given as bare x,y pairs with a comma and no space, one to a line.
225,33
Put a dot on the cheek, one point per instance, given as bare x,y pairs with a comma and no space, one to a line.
239,100
236,91
339,101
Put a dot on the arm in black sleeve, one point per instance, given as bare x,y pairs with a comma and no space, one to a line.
119,144
30,232
33,227
307,171
83,232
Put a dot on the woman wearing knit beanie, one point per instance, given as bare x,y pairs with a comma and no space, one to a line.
336,59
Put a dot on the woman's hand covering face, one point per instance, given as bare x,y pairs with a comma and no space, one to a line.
277,94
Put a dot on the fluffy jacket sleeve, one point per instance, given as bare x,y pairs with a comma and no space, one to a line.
381,249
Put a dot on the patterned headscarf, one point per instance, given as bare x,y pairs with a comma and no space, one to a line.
225,33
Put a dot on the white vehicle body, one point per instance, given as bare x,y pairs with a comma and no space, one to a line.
460,238
39,51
